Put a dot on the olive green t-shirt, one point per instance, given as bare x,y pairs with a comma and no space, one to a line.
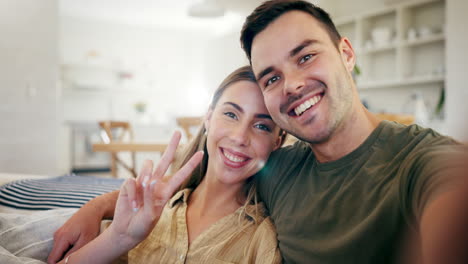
355,209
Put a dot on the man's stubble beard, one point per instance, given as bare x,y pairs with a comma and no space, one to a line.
335,118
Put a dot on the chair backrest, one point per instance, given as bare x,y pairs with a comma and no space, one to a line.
115,131
186,123
118,131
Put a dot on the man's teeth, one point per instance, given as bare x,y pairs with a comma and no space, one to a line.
234,158
307,104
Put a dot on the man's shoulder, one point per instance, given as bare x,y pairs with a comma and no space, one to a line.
417,151
398,135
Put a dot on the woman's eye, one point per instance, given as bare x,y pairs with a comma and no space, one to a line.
263,127
272,80
305,58
231,115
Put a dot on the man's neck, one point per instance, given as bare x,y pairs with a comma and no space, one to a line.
348,136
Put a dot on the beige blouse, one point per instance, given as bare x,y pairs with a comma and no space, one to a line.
232,239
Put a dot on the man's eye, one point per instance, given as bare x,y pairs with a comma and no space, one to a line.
231,115
263,127
272,80
305,58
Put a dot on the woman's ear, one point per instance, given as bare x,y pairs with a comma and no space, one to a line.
280,140
207,119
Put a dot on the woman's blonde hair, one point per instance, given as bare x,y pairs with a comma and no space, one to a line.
198,143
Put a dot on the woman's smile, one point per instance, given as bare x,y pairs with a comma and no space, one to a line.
234,159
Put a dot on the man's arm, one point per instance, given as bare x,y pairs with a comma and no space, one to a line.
83,226
441,205
444,227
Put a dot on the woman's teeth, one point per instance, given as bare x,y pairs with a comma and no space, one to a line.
307,104
233,158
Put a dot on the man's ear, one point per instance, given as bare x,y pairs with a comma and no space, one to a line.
347,53
208,118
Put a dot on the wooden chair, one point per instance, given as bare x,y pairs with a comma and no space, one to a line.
118,131
400,118
188,122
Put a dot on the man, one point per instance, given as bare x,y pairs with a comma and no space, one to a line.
356,190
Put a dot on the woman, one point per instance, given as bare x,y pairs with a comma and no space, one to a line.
215,216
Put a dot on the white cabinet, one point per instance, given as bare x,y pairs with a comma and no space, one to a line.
400,45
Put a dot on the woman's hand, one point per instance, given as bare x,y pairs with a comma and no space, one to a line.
142,201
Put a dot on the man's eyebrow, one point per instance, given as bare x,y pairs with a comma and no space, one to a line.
292,53
263,116
264,72
301,46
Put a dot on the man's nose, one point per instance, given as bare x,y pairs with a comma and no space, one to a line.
293,82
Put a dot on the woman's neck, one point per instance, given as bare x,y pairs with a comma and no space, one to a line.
209,202
212,197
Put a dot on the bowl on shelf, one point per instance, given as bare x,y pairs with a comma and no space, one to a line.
381,36
425,32
412,34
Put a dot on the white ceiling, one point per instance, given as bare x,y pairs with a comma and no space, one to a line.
162,13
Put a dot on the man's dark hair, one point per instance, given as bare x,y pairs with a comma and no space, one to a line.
269,11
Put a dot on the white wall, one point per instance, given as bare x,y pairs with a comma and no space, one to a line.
28,92
167,68
222,56
457,78
346,8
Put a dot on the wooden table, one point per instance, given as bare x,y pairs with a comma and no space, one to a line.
131,147
115,147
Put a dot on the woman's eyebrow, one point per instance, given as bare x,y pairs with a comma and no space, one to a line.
235,106
263,116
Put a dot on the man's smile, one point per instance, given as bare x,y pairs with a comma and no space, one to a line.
305,105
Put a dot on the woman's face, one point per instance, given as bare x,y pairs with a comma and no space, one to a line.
241,134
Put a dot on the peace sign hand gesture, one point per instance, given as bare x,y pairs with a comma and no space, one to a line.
142,201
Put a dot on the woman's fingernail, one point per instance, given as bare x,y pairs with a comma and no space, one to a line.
153,182
135,206
145,180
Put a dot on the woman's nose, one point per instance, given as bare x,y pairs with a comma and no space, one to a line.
240,134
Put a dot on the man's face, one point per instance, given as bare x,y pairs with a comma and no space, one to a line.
305,79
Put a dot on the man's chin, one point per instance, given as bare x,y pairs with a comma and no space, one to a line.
316,136
316,139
